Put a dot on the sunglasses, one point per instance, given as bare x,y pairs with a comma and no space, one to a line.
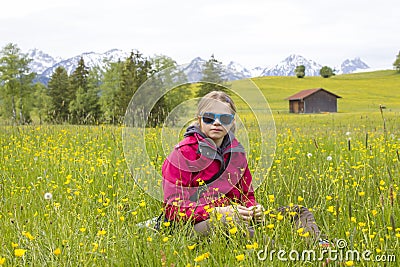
209,118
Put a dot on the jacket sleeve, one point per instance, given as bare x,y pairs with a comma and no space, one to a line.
247,197
177,189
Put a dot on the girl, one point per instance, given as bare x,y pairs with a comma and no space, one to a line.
207,175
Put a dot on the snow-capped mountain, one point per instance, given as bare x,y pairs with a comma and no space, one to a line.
289,64
91,60
237,71
40,60
194,69
351,65
44,65
233,71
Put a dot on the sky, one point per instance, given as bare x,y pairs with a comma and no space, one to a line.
252,32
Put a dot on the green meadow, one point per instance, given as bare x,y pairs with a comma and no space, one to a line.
67,197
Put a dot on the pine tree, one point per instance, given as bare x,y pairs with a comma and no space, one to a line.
135,71
79,87
59,91
169,100
213,75
16,87
92,95
109,91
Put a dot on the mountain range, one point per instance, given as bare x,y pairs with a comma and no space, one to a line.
44,65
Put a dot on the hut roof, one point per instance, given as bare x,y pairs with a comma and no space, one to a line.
306,93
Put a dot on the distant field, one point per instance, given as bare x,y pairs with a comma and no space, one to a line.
360,92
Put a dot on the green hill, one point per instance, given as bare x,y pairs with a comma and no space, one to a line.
360,92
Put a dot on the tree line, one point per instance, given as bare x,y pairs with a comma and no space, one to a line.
94,95
87,95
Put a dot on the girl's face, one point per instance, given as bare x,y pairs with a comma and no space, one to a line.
216,130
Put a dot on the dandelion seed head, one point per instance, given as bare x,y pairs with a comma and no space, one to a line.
329,158
309,155
48,196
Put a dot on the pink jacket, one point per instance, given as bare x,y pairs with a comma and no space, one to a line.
196,159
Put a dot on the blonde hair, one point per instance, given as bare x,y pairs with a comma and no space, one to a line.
208,100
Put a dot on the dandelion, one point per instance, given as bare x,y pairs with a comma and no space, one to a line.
191,247
82,229
361,194
279,217
19,252
57,251
349,263
309,155
202,257
149,239
270,226
271,198
329,198
306,234
329,158
101,232
28,235
2,261
165,239
300,198
347,133
233,230
14,245
48,196
240,257
166,224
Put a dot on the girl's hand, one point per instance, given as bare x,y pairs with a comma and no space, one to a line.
258,213
236,212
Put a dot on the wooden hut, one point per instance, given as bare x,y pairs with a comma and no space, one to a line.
313,101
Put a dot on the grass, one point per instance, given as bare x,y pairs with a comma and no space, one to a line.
344,166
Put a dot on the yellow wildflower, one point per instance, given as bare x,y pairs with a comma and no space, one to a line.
101,232
202,257
191,247
19,252
240,257
57,251
233,230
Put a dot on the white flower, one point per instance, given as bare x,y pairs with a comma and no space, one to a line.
329,158
48,196
347,133
309,155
